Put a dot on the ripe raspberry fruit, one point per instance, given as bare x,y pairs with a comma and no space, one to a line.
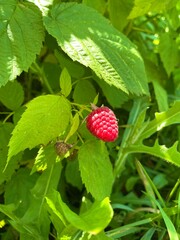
102,123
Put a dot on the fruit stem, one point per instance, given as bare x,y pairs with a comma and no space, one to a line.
93,106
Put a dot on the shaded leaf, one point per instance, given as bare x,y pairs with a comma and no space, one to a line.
36,214
84,92
45,118
75,69
169,52
73,175
17,190
119,11
161,96
12,95
96,44
5,134
157,76
8,210
99,5
114,96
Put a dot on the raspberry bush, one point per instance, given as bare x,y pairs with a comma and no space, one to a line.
70,172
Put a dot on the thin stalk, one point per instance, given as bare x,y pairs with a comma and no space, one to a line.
35,67
9,115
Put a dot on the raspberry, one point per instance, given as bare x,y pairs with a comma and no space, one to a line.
102,123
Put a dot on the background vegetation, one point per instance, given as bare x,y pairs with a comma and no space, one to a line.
57,181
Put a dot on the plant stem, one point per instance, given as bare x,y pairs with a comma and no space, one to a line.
138,106
35,67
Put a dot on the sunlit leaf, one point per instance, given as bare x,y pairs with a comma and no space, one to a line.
171,154
21,36
142,7
88,38
65,82
163,119
94,220
45,118
96,169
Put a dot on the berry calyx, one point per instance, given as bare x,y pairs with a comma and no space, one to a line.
102,123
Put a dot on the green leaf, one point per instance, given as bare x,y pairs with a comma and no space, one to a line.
31,231
21,36
12,95
164,119
99,236
96,169
73,175
17,190
142,7
74,126
45,118
84,92
36,214
160,181
169,52
5,134
8,210
149,234
150,187
65,82
173,235
75,69
96,44
135,123
169,154
161,96
157,76
94,220
119,11
99,5
45,157
114,96
57,217
173,17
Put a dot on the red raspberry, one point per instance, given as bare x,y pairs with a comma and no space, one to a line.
102,123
